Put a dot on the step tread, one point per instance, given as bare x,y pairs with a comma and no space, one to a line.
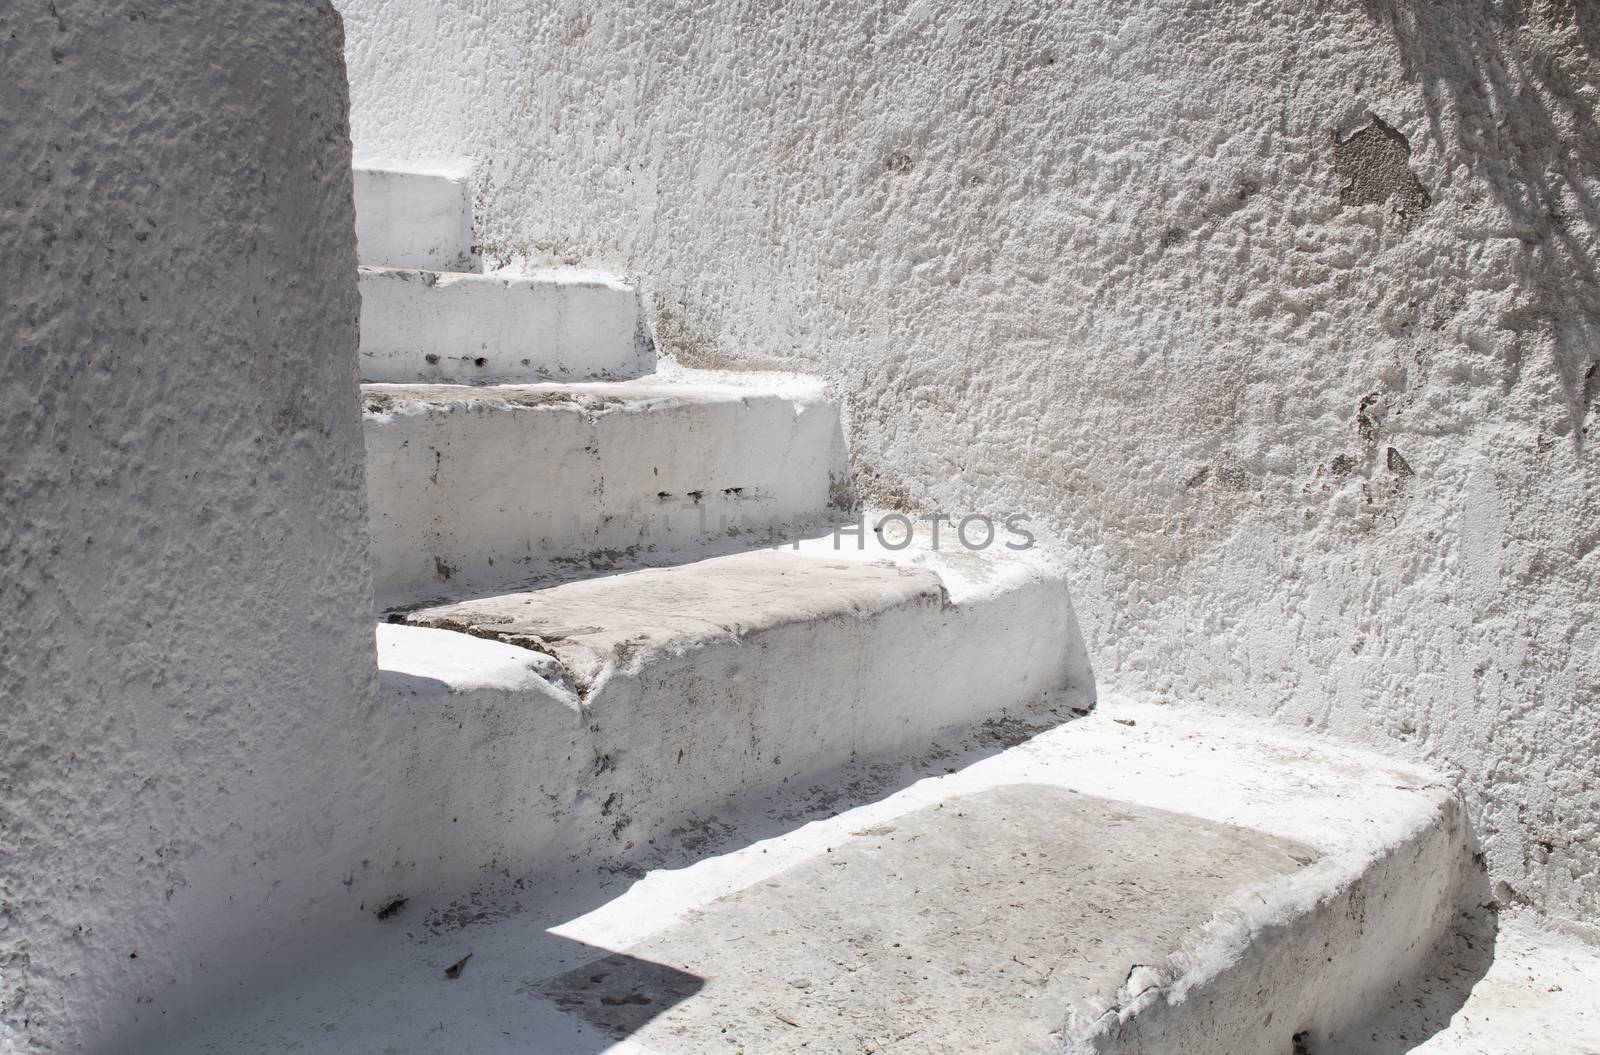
592,623
1205,859
538,278
646,393
995,921
631,615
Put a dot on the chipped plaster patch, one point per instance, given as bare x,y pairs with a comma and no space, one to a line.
1373,166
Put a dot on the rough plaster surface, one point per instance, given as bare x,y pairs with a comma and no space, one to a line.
187,678
1285,312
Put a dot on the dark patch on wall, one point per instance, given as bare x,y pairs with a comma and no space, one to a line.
1373,167
1234,476
1368,417
1230,198
680,332
1446,308
577,27
676,336
876,488
842,493
1398,464
391,908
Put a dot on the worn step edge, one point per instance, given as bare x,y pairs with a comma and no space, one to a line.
1320,950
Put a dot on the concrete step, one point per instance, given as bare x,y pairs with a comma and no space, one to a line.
622,704
414,219
552,325
1142,880
470,487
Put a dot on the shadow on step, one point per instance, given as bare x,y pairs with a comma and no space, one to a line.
584,997
825,794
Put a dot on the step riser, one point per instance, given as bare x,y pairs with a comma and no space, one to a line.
411,219
470,329
1319,964
460,495
521,780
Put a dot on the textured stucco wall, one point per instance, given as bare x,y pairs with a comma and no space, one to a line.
187,674
1285,312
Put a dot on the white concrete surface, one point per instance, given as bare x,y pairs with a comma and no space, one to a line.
1150,269
548,325
187,679
474,487
1367,863
670,692
415,219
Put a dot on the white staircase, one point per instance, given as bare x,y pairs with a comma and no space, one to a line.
681,783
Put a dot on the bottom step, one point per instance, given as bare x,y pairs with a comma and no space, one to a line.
1140,880
1014,919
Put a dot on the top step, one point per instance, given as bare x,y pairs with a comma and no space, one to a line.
414,220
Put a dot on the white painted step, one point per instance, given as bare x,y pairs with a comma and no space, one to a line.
553,325
622,704
1143,880
469,487
415,219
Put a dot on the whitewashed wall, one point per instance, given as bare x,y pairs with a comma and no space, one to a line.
1312,408
187,672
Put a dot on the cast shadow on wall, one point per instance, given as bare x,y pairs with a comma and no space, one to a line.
1503,94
